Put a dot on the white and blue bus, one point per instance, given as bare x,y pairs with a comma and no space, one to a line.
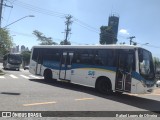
108,68
12,61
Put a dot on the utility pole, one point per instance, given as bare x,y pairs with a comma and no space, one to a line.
1,6
131,39
68,22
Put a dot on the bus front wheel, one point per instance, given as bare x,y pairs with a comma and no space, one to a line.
103,85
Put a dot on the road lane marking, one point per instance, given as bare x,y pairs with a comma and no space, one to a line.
143,94
24,76
34,76
84,99
2,77
13,76
43,103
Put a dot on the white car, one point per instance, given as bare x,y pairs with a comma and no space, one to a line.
158,83
26,67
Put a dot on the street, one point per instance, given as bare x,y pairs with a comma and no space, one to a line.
22,91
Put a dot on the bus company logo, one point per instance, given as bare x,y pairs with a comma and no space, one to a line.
6,114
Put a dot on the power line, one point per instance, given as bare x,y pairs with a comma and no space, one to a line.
11,3
85,24
62,15
56,14
39,10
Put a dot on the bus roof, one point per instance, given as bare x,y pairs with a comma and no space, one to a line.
88,46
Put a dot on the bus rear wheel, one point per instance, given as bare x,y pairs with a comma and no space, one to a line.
47,75
103,85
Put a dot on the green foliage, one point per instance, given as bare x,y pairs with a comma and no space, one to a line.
26,57
5,41
64,42
43,39
156,62
134,43
107,35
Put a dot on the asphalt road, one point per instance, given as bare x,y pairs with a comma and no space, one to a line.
21,91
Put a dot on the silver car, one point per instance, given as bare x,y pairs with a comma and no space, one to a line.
26,67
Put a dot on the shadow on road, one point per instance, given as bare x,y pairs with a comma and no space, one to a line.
135,101
9,93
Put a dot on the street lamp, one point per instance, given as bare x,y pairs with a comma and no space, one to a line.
18,20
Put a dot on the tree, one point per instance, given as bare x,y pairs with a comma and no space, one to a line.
43,39
65,42
5,41
26,57
107,35
156,62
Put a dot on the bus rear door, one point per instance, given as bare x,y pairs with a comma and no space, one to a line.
65,66
124,71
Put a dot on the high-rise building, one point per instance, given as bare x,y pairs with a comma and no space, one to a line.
22,48
17,48
113,23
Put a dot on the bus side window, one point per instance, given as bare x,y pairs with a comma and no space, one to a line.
35,54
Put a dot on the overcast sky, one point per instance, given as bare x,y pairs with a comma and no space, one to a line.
139,18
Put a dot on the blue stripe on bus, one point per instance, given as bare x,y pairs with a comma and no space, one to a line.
56,65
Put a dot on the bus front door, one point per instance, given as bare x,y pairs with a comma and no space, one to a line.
124,72
39,64
66,65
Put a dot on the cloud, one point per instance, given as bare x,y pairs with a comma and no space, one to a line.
123,31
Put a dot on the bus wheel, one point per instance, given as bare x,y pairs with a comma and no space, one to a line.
47,75
103,85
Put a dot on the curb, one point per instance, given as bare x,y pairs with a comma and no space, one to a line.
1,72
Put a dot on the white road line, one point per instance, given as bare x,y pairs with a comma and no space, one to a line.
2,77
24,76
13,76
34,76
43,103
84,99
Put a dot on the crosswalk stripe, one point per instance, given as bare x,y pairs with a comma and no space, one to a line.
24,76
34,76
2,77
13,76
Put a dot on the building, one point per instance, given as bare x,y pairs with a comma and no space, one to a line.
109,33
23,48
114,22
17,48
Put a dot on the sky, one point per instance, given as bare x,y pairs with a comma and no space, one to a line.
139,18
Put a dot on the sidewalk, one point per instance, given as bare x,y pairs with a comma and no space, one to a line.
1,69
156,91
1,72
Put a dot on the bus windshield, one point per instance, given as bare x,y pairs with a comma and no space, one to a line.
146,64
14,59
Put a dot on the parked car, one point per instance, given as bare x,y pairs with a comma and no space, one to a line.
26,67
158,83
